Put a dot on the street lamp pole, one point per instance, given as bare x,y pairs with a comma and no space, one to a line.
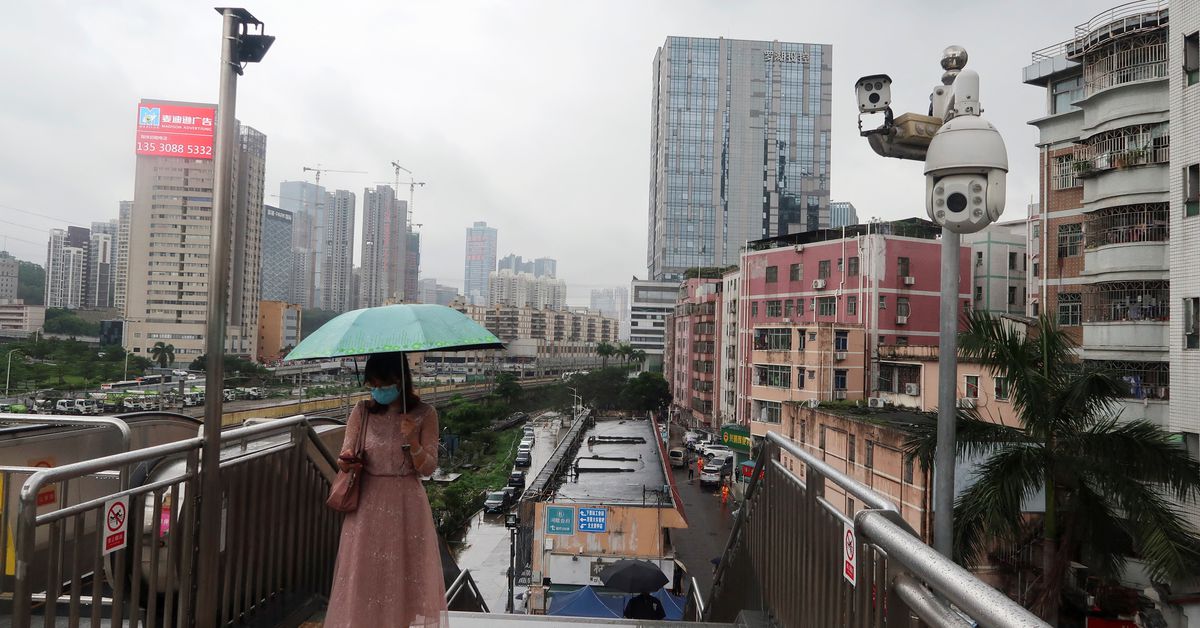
8,371
126,378
238,47
512,521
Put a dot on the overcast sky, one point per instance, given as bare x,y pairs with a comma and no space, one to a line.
533,116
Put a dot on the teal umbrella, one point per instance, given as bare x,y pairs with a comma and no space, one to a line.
405,327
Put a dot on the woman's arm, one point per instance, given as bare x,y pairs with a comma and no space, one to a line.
424,448
353,425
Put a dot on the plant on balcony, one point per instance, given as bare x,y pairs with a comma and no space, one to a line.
1110,484
1082,167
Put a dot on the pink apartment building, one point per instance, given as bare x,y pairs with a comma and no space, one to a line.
813,308
691,358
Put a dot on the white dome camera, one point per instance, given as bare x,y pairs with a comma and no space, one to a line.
966,165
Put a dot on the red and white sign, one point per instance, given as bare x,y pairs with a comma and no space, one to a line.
175,130
49,494
849,553
116,524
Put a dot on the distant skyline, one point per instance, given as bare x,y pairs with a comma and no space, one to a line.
551,146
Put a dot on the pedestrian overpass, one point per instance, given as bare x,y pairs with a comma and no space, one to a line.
99,528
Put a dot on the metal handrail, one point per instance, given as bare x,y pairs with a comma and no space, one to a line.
43,419
464,579
861,491
697,599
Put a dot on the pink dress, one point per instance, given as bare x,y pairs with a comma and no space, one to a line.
389,570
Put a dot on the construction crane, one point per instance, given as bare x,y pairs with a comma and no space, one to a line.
412,187
318,169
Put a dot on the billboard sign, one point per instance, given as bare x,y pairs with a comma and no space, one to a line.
169,130
560,520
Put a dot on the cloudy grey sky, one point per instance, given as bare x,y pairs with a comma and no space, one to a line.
531,115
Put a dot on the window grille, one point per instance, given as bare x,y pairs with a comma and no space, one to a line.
1146,222
1135,145
1126,301
1126,60
1145,380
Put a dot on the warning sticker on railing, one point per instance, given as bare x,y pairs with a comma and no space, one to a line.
849,550
116,524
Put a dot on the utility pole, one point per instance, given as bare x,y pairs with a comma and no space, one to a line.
238,47
966,165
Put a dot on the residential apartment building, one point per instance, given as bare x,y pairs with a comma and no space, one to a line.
337,262
1184,327
614,303
169,238
691,358
10,269
1103,225
100,269
813,307
278,329
729,350
999,267
739,148
384,247
650,303
412,266
524,290
277,263
314,223
478,262
842,214
66,267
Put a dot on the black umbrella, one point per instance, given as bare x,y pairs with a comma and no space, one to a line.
633,576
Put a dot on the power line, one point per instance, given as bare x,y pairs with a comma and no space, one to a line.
26,211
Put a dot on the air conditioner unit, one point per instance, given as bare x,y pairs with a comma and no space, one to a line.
818,284
813,403
839,355
798,248
875,402
910,280
912,389
839,394
901,320
966,402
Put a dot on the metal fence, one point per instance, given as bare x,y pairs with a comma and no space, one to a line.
278,539
788,547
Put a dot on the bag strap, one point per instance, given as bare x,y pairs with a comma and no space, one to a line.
361,441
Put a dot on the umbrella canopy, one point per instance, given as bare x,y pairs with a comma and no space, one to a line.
405,327
633,576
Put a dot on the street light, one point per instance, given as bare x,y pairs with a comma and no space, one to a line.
238,47
8,371
966,164
512,522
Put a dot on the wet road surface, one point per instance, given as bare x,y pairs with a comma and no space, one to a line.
485,545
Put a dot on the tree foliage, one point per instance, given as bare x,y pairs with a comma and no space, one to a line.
67,323
31,283
65,364
238,370
1109,482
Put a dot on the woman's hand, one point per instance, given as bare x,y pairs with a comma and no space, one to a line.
349,463
410,433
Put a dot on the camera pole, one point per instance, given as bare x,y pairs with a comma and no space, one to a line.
943,462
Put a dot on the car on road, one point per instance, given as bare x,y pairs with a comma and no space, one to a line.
516,479
701,440
678,457
711,474
716,449
524,459
526,445
499,501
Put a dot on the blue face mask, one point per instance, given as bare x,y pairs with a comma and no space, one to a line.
385,394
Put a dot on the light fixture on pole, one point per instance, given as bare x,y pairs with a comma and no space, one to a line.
8,371
239,47
512,522
966,165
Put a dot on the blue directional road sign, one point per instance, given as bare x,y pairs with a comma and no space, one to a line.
593,520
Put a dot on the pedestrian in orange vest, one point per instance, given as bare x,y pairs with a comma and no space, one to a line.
724,494
700,465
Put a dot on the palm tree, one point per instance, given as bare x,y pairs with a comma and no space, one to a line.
162,353
624,350
605,350
1110,484
637,356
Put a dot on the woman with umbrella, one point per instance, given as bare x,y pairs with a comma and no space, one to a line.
389,570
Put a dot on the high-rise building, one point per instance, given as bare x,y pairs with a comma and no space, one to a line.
278,329
515,263
337,260
1104,225
110,227
480,260
1184,175
613,303
412,266
66,267
524,290
842,214
430,291
383,246
9,276
168,275
101,267
309,205
545,267
277,266
739,150
998,267
122,257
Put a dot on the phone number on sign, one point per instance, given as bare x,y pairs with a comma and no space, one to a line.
174,149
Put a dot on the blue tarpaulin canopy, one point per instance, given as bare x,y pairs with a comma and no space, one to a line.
586,602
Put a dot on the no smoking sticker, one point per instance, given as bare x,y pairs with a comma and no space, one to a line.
116,523
849,553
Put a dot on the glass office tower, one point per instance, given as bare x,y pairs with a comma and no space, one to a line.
739,148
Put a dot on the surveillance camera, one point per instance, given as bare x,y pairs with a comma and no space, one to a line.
965,171
874,93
